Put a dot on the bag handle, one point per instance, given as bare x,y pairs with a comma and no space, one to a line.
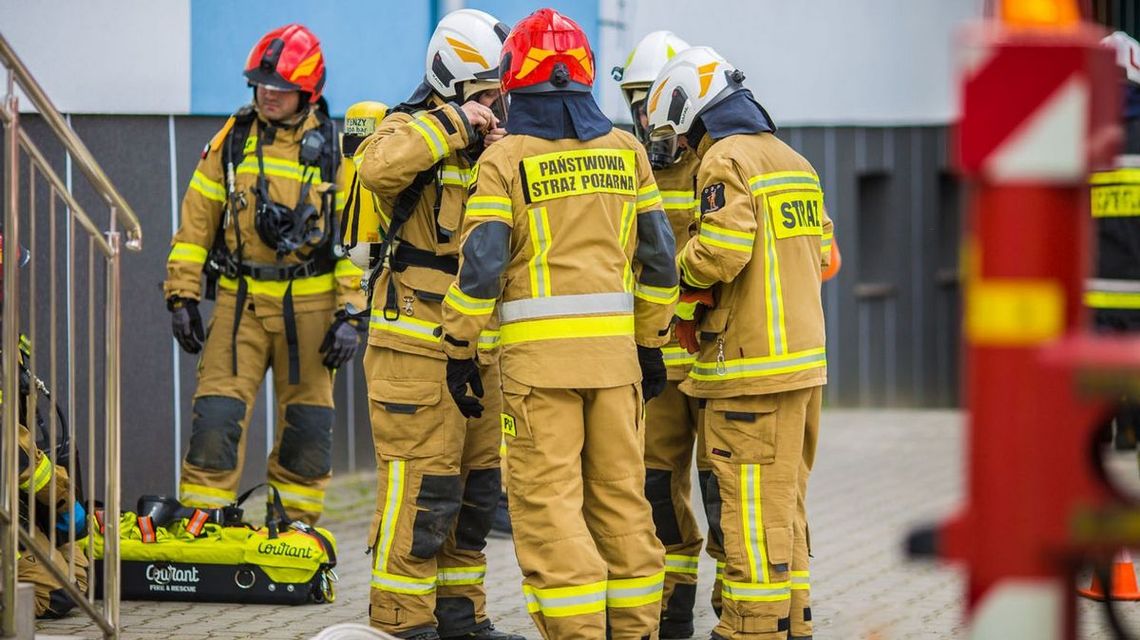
273,507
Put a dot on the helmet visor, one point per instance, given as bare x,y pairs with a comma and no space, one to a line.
662,147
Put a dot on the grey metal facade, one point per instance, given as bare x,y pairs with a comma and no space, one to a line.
892,313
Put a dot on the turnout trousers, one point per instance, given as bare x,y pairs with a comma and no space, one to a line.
300,463
583,529
762,449
671,425
438,484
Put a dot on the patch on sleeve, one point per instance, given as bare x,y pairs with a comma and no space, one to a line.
712,198
471,181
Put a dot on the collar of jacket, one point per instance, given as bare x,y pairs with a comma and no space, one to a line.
289,130
739,113
556,116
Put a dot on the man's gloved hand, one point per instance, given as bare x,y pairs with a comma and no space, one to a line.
653,374
187,324
340,342
461,373
77,515
690,308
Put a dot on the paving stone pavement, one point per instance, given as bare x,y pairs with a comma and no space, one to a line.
878,474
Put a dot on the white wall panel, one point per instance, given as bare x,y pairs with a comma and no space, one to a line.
105,56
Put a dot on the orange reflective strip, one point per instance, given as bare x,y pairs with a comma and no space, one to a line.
197,522
146,529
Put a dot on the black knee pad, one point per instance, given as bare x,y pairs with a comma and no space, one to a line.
710,495
659,492
216,433
477,513
438,502
306,442
59,604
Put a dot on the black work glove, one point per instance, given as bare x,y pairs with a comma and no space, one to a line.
461,373
187,324
653,375
340,342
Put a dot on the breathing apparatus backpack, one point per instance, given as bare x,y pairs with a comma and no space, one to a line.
287,229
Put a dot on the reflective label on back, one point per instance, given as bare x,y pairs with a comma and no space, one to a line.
798,213
574,173
1116,201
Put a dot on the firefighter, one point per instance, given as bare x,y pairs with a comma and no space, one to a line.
1113,293
559,211
259,218
438,466
754,268
671,419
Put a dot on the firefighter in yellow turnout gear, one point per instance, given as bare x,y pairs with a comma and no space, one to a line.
672,418
438,477
559,212
262,211
763,239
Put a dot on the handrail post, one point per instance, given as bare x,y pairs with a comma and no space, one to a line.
113,443
9,539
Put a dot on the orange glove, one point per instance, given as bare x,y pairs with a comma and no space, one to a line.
834,265
690,308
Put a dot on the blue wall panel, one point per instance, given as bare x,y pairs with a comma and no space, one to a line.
374,49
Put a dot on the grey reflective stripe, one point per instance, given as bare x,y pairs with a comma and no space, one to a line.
686,562
775,182
737,589
450,575
706,232
580,304
801,580
380,581
710,368
1111,285
629,592
547,602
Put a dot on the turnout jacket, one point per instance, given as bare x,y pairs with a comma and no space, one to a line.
762,241
551,232
403,146
203,209
677,185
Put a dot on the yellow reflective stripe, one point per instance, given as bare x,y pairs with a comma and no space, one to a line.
393,583
540,240
681,564
730,239
562,602
187,252
199,495
648,199
453,175
280,168
759,367
750,513
488,339
782,180
393,502
1116,176
677,356
628,220
801,580
756,591
720,570
774,304
208,188
455,576
435,138
406,326
678,200
345,269
689,277
490,207
635,592
825,244
656,295
567,328
1112,300
276,288
41,477
466,304
300,496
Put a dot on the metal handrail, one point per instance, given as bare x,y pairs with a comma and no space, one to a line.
71,142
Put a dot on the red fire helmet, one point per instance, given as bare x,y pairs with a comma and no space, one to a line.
546,51
288,58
